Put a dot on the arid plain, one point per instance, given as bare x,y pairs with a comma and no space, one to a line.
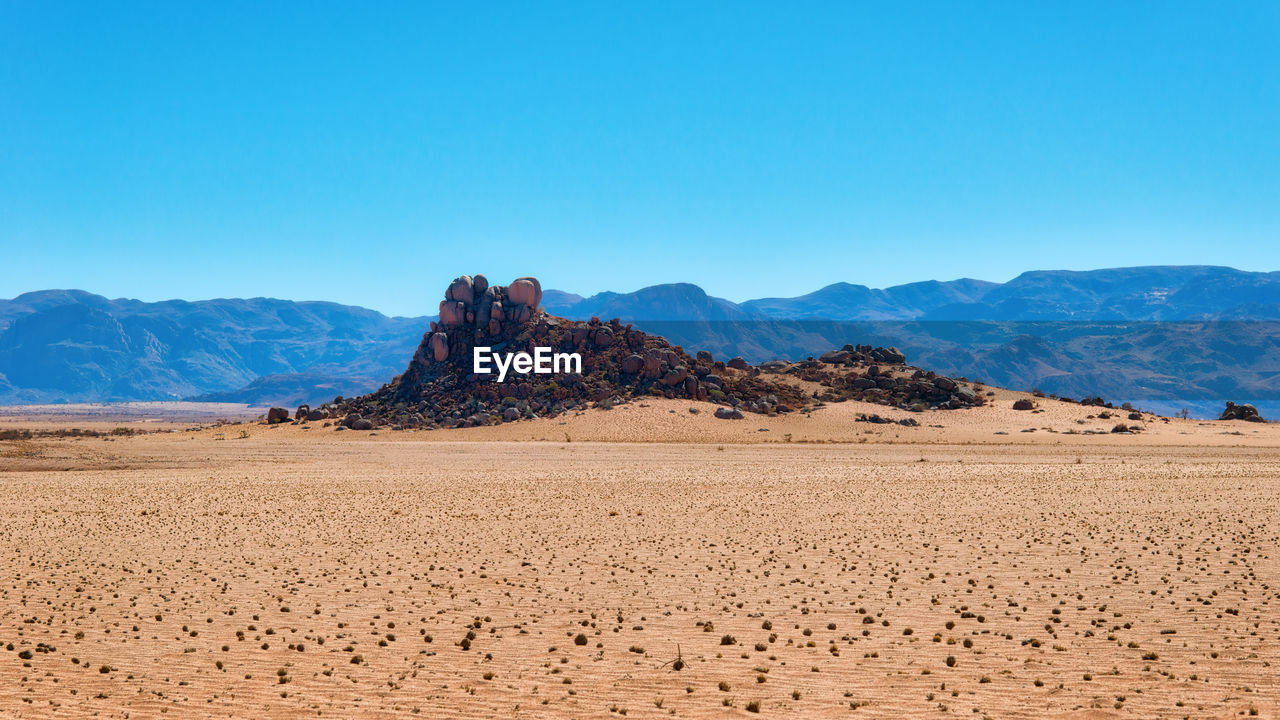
649,562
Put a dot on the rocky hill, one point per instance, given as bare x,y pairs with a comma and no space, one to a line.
441,387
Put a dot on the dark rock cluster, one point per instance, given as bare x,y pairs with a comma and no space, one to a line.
881,375
440,389
1241,412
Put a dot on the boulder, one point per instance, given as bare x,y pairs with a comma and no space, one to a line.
452,313
510,414
362,424
676,376
775,366
302,412
1241,412
944,384
692,389
836,357
317,414
351,419
479,285
632,364
738,363
653,359
727,413
1023,404
461,290
525,291
890,356
277,415
439,346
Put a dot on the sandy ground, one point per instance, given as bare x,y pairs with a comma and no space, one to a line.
146,416
548,569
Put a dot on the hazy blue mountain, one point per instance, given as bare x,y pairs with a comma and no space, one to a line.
1196,292
67,345
675,301
843,301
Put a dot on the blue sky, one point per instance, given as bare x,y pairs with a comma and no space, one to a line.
368,152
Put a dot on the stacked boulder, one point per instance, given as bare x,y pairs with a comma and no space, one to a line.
478,310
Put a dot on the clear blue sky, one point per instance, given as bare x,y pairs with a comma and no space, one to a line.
369,152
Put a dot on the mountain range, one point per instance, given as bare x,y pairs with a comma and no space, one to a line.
1165,337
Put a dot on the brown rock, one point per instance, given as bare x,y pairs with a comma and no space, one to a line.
439,346
461,290
525,291
452,313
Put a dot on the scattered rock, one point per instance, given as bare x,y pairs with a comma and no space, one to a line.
1023,404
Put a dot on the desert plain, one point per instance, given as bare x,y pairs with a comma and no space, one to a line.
645,561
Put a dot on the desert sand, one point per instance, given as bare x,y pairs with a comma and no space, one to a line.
651,562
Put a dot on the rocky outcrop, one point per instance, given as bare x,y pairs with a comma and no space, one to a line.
879,375
1241,412
440,388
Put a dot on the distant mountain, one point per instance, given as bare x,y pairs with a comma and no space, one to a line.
676,301
685,315
843,301
73,346
1165,337
1196,292
1169,337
